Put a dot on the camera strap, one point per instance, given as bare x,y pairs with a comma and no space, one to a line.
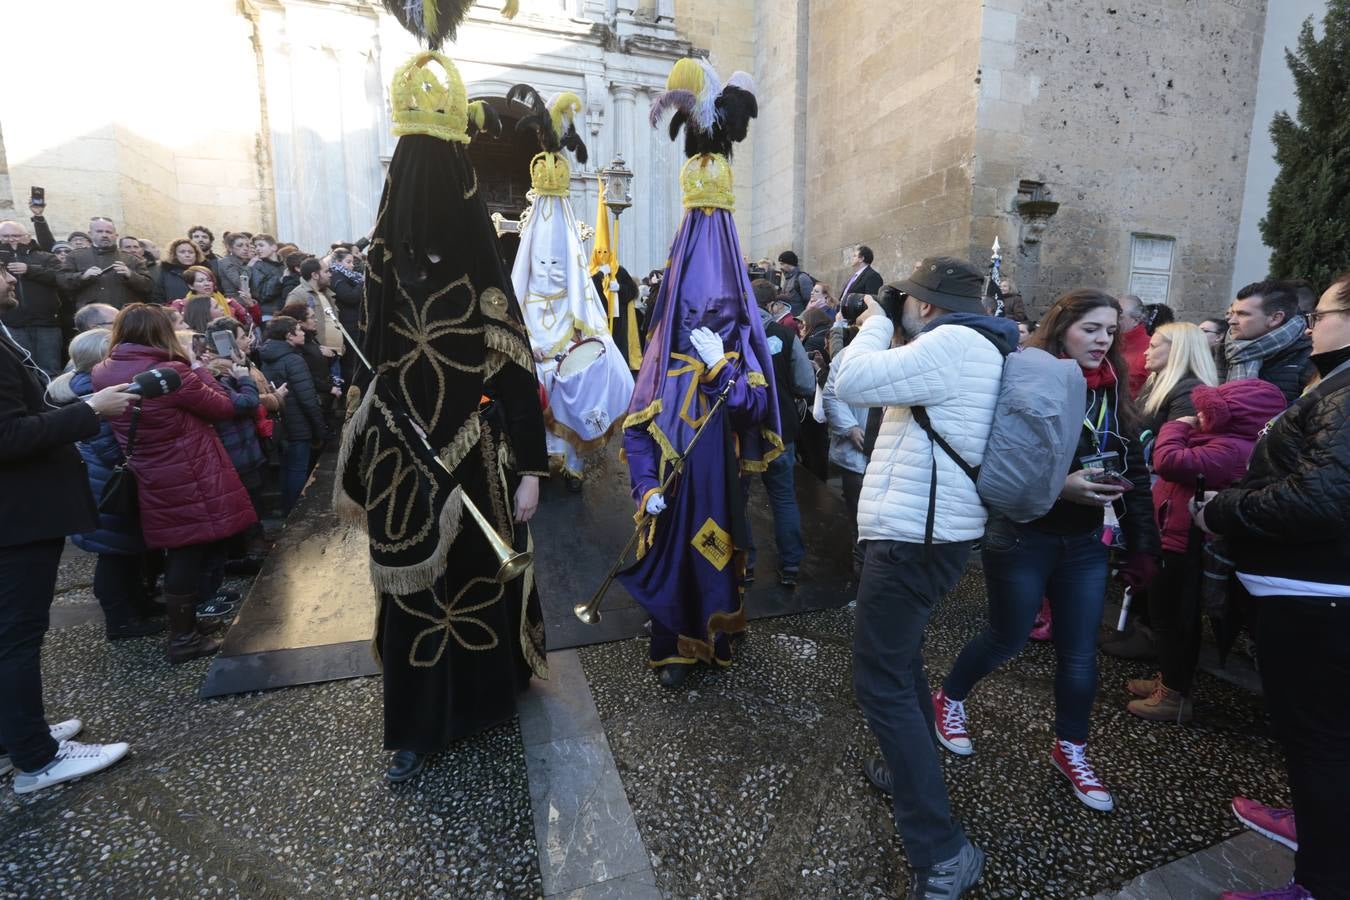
131,432
973,472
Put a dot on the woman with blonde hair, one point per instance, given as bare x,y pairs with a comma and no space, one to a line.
118,586
1178,360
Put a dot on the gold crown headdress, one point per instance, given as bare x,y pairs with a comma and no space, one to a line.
428,98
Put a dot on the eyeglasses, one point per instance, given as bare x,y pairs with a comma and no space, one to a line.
1315,315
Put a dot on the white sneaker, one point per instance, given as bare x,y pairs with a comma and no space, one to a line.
61,731
73,760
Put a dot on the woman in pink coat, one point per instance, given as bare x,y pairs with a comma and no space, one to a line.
1215,443
190,496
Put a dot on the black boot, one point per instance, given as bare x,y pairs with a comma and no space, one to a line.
132,628
404,765
672,675
185,641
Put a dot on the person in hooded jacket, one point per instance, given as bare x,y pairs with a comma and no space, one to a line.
118,583
191,499
1215,444
301,416
1062,555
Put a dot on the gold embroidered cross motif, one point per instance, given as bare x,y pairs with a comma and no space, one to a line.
713,541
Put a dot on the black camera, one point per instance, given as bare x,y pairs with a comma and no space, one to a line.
891,300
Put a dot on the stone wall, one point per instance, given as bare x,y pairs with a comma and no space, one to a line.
781,77
890,131
1136,118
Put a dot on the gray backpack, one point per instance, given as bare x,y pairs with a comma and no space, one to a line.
1037,421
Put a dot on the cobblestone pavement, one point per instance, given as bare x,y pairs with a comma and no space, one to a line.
260,795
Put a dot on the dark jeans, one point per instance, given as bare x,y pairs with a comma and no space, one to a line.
294,473
27,583
852,484
43,344
901,584
1174,610
1022,565
190,569
1305,668
787,520
119,585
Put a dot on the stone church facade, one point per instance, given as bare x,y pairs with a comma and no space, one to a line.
1102,142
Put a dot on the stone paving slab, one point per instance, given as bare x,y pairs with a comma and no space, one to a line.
747,782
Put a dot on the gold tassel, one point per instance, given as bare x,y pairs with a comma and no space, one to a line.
510,9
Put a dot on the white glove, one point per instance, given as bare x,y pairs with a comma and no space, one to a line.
655,504
708,346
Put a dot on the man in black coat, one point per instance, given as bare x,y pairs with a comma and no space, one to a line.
35,322
101,273
865,279
44,496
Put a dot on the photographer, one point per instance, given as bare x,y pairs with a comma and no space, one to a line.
918,517
796,285
35,323
44,496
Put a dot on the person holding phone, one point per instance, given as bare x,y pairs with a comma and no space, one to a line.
1062,556
101,273
204,303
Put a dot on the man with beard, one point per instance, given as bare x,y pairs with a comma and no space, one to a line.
101,273
36,322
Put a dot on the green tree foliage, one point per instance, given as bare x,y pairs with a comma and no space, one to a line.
1308,221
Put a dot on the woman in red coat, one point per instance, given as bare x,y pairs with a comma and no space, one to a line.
1215,443
190,496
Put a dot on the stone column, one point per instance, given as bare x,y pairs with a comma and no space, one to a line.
625,99
640,224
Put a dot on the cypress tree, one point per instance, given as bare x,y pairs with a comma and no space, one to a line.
1307,223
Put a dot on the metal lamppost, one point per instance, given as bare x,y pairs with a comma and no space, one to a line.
617,181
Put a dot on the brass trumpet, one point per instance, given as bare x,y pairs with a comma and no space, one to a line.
589,612
511,562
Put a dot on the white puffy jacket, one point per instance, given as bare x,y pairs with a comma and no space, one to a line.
955,372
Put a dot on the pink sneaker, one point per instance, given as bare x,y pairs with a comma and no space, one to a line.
1041,628
1071,760
1290,891
951,724
1270,821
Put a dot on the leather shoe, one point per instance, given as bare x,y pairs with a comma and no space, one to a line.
672,675
405,764
879,774
133,628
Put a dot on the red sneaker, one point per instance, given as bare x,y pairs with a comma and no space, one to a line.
1042,628
1271,821
951,724
1071,760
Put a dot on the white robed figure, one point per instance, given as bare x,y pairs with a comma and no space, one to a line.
584,373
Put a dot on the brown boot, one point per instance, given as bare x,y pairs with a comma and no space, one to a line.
1144,687
1163,705
185,642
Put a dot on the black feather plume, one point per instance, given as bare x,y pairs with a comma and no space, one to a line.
439,27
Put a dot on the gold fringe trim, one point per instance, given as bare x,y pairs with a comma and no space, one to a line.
514,350
468,435
646,413
538,662
347,508
581,444
775,451
401,581
756,379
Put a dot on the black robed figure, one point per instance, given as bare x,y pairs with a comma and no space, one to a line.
445,335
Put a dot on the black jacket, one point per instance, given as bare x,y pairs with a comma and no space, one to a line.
1177,405
109,288
169,284
265,284
1290,514
301,415
1291,369
39,300
349,294
44,488
867,282
788,420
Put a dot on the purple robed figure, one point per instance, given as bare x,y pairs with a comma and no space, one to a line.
691,556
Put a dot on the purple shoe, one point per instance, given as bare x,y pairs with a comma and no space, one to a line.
1269,821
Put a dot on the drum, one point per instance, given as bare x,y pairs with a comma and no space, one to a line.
580,356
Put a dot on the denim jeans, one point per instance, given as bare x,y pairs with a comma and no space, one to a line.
901,585
1022,565
294,473
43,344
27,583
787,521
119,588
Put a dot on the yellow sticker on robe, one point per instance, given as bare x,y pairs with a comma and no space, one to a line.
714,543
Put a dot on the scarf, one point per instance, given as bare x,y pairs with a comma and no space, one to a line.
1245,357
349,273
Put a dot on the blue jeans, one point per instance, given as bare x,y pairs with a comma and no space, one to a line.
1022,565
294,473
787,521
43,344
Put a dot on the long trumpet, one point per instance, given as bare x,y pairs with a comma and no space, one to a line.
589,612
511,562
